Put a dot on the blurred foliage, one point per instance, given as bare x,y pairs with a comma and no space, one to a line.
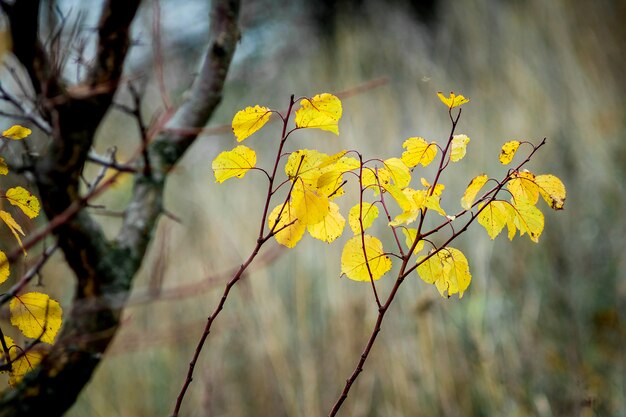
541,333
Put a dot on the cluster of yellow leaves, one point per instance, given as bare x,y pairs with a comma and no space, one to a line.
521,213
16,196
35,314
317,178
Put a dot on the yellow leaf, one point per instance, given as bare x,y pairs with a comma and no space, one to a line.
332,159
234,163
418,151
458,147
400,197
508,151
522,186
14,226
552,190
369,213
438,188
16,132
310,207
448,269
23,364
472,189
249,120
410,236
330,181
36,315
432,202
398,172
529,219
4,168
331,226
453,100
286,235
305,165
494,217
416,199
23,199
322,112
374,179
4,267
354,264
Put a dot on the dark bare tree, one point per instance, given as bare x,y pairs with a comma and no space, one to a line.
71,114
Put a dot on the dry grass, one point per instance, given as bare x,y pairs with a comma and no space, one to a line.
541,331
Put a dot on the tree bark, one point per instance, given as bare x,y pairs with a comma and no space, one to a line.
104,268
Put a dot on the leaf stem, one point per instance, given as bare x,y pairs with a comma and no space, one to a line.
367,263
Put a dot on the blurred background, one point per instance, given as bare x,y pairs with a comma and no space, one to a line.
541,330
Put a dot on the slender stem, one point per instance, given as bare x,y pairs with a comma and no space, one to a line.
207,327
367,263
272,177
239,274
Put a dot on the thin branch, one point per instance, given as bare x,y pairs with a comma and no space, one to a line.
28,276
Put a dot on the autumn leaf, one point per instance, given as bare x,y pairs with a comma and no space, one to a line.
15,228
36,315
234,163
458,147
448,269
453,100
354,264
433,202
369,212
288,229
418,151
332,159
21,365
410,235
304,164
552,190
397,171
508,151
4,267
416,202
402,197
322,112
330,182
436,191
309,205
16,132
23,199
529,219
374,179
331,226
249,120
494,217
4,168
24,365
522,185
472,190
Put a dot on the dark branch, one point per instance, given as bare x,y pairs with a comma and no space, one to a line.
24,19
113,42
105,269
